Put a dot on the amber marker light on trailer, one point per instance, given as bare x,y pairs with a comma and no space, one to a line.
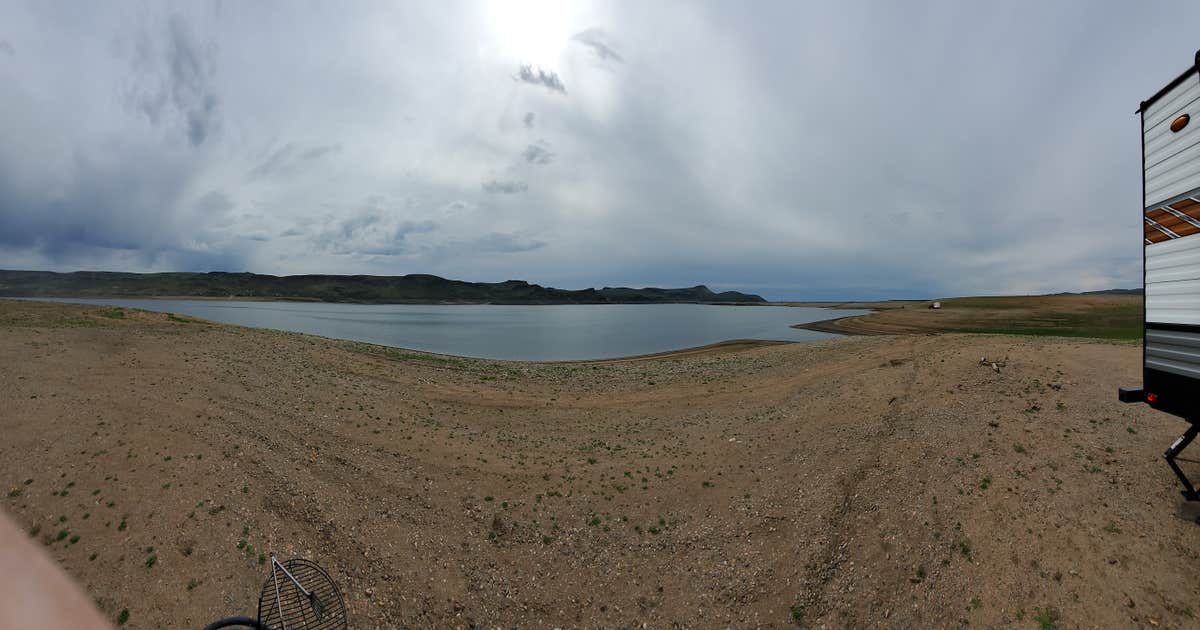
1180,123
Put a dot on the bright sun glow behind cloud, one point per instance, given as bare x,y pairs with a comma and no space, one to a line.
531,32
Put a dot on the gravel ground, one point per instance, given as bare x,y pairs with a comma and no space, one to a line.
867,481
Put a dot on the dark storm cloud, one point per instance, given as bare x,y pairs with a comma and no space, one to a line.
538,154
112,205
596,40
528,120
176,82
504,187
537,76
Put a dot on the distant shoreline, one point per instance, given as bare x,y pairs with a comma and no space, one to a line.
834,326
308,300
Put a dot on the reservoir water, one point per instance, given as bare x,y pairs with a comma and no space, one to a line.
524,332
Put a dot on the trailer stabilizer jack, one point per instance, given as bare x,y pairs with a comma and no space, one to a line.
1189,491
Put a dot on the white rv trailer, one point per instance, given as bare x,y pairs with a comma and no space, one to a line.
1171,259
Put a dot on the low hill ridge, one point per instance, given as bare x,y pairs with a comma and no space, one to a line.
412,289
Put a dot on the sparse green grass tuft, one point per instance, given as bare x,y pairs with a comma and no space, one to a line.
123,617
1046,619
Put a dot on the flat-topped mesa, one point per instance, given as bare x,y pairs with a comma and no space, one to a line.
411,288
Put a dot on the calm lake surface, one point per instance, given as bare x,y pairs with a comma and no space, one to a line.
526,333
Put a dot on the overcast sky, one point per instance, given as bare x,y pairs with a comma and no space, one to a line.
797,149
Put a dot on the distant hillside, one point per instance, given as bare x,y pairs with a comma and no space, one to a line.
414,288
1114,292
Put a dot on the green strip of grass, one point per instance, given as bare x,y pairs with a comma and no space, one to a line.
1123,322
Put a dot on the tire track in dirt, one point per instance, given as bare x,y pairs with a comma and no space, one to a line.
815,602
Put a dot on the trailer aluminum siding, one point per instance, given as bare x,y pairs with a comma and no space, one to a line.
1171,229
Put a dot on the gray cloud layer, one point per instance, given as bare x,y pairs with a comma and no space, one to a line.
505,187
799,150
538,154
174,82
538,76
286,159
597,40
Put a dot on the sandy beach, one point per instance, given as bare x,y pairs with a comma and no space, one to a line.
887,481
